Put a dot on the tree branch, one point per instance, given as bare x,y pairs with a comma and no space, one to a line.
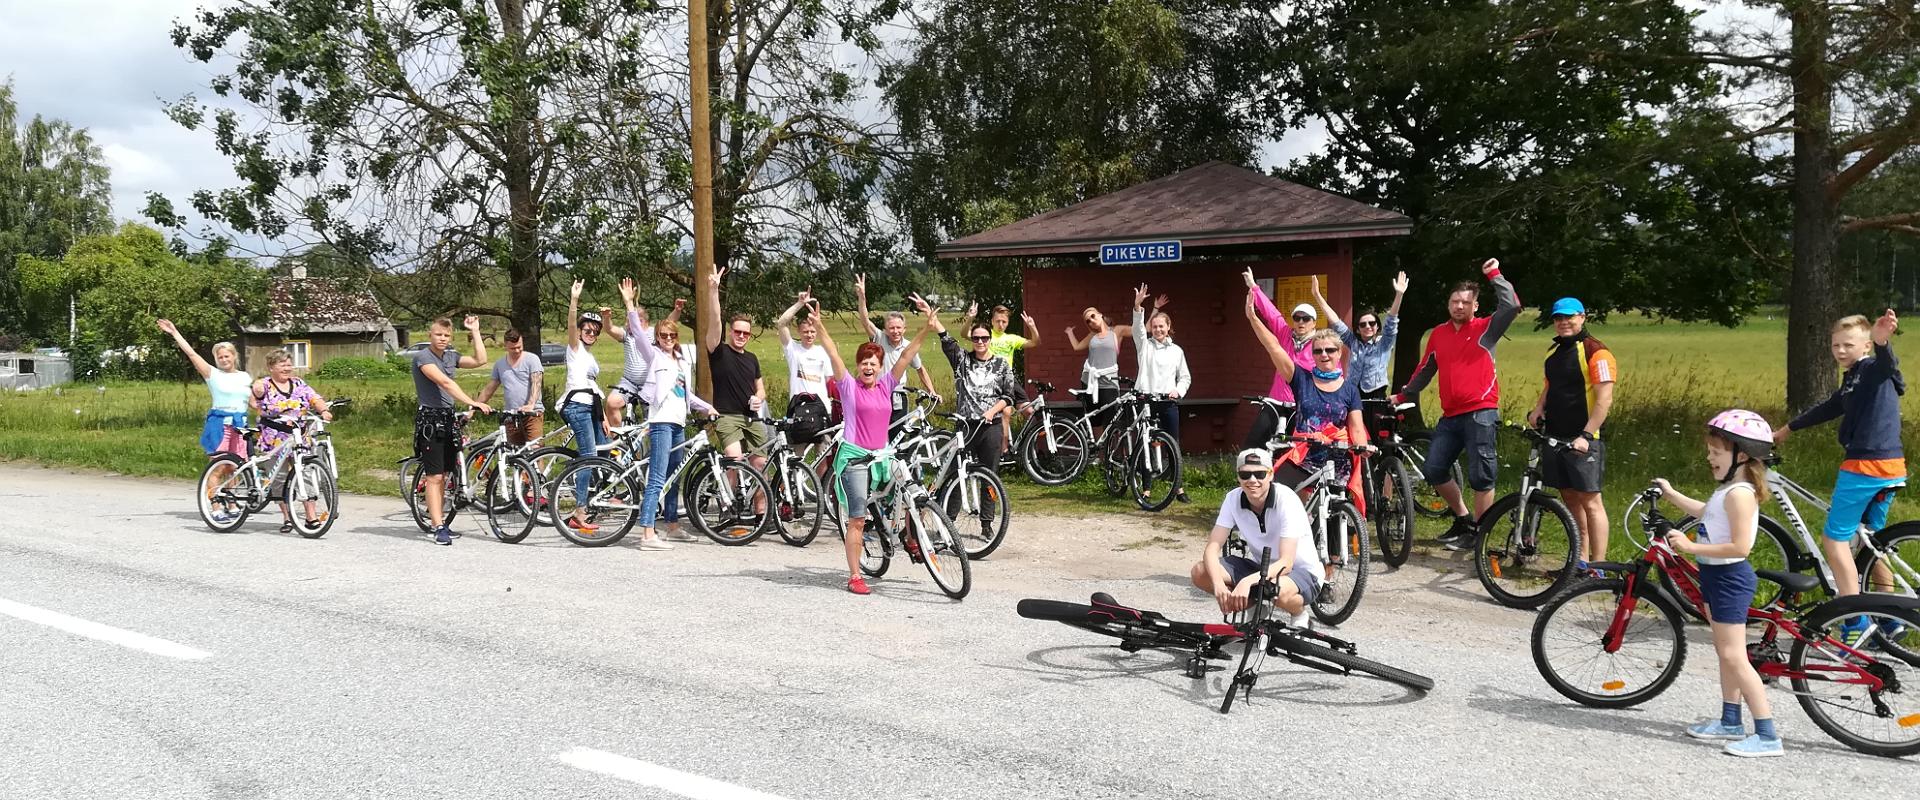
1889,142
1890,221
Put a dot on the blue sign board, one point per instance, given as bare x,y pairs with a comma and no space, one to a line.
1140,252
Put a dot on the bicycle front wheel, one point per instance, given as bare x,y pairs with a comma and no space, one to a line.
416,484
225,493
1345,578
1055,452
1834,683
727,514
940,548
1393,512
1303,647
513,501
1156,472
1582,656
1525,554
799,503
983,527
609,506
313,486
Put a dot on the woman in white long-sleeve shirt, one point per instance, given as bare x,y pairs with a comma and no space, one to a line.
1163,366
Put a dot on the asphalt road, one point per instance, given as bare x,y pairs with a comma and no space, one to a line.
146,657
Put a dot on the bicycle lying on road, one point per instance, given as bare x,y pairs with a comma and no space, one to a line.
1259,631
1618,642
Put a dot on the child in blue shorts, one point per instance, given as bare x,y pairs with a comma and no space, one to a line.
1737,445
1868,407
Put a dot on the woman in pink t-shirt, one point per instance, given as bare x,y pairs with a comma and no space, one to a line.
866,399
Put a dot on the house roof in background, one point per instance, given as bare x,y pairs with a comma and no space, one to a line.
323,305
1215,203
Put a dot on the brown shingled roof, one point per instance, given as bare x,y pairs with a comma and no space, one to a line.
321,304
1215,203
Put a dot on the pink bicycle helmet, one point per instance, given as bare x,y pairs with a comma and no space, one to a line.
1748,432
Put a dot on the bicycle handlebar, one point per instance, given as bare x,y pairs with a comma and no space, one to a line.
1537,436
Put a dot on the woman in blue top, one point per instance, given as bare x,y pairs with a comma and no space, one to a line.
1370,340
1329,404
227,384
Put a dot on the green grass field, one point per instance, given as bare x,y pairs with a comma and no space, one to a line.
1674,376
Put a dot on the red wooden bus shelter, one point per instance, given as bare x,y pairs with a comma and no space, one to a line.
1224,219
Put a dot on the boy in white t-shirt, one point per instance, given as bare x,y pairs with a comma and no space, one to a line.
1267,520
808,365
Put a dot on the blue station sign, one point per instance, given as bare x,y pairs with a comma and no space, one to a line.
1140,252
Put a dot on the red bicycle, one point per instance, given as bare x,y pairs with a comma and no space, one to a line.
1618,642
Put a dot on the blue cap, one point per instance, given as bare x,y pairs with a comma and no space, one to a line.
1567,306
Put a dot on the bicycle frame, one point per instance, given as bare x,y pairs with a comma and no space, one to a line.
288,458
1785,490
696,447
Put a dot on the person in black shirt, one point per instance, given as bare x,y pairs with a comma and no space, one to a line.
739,391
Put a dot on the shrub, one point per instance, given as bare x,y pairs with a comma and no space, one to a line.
347,367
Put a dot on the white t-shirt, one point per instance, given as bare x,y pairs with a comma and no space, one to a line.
1282,518
807,370
583,371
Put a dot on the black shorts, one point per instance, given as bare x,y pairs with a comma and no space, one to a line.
434,433
1571,469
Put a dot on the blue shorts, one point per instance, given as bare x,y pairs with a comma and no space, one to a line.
1854,502
1239,567
1473,434
853,483
1728,590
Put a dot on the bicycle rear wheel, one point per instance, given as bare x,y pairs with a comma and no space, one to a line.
985,527
225,493
1526,554
1426,501
1155,472
1570,646
1303,647
513,500
1055,452
548,463
876,550
729,516
798,502
1393,512
1116,460
417,496
314,486
1827,679
611,503
940,548
1339,594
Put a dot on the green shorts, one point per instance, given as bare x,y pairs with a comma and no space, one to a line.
730,428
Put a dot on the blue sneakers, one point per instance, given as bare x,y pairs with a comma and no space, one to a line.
443,536
1853,629
1757,746
1713,729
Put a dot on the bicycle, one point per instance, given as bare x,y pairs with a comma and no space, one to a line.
1894,551
718,490
903,515
1519,563
323,446
1338,532
1057,444
1389,482
1618,642
232,488
1259,631
968,491
513,491
797,497
477,458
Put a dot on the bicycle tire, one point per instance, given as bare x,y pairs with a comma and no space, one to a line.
983,531
1065,462
1307,648
1900,671
1115,461
876,554
1340,595
513,505
612,503
1155,473
732,523
941,550
1514,573
1586,610
548,463
1394,514
1427,502
325,496
224,516
417,497
801,503
1773,548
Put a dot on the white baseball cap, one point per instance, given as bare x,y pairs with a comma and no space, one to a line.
1307,309
1253,458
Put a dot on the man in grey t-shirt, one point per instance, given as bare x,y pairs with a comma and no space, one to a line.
434,430
519,374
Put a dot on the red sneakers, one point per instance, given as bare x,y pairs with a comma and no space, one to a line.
858,586
583,527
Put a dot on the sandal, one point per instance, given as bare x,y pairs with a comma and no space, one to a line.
286,525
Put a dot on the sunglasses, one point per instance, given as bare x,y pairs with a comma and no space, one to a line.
981,338
1562,317
669,336
1367,323
1326,351
739,332
1302,318
1252,474
590,330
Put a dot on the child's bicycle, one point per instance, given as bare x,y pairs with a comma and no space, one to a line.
1260,632
1617,642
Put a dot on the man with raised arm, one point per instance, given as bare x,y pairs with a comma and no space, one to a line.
1460,351
893,343
434,430
739,392
807,362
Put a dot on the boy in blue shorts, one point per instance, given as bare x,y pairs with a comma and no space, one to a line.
1868,407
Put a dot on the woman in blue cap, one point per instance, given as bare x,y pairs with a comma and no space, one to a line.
1580,373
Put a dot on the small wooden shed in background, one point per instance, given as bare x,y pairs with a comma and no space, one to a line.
315,319
1220,219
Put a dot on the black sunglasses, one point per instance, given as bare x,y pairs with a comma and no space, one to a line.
1367,323
1302,318
981,338
1560,317
1326,351
1252,474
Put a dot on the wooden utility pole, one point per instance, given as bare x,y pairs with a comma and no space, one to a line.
698,83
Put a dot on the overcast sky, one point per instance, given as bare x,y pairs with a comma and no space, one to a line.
107,65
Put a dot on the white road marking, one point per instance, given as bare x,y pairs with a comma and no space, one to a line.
104,633
685,784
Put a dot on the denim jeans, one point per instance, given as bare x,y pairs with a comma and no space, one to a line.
1167,413
662,437
586,441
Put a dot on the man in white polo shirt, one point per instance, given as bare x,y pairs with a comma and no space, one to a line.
1269,521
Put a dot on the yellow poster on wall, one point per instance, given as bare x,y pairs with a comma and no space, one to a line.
1292,290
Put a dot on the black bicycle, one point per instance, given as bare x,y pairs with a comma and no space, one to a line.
1527,541
1256,628
1388,481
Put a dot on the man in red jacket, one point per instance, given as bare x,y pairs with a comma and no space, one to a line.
1461,351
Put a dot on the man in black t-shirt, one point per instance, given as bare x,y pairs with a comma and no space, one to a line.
739,391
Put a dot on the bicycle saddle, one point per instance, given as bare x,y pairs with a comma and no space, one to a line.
1796,582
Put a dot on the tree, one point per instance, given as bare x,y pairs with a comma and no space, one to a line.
1843,83
431,136
1516,129
53,190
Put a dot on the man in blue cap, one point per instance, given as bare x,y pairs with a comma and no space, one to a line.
1580,373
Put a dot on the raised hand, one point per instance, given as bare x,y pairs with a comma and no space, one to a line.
973,308
606,312
1313,284
1885,327
626,290
167,325
801,298
1139,295
471,323
1247,275
1400,283
1070,331
679,304
1161,301
920,304
577,286
860,285
1492,266
1026,318
715,277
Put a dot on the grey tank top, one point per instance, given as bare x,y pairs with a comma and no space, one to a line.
1103,352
